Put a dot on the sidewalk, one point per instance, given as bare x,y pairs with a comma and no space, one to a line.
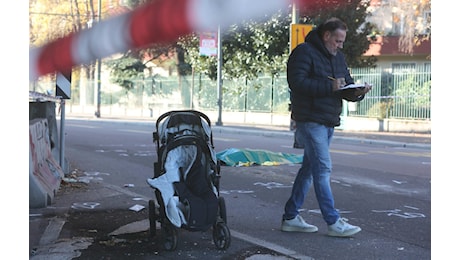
45,225
415,140
404,139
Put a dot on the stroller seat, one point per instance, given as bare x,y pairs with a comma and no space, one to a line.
186,189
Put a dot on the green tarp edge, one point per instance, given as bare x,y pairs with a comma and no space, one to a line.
235,157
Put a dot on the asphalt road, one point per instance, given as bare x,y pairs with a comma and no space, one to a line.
381,183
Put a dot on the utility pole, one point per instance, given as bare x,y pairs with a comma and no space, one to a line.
295,14
219,76
98,70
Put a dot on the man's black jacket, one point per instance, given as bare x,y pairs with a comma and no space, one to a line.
312,99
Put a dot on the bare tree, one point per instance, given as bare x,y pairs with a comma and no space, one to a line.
415,18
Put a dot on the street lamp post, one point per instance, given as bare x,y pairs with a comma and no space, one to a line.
219,76
98,71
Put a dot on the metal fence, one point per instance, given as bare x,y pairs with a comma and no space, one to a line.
402,93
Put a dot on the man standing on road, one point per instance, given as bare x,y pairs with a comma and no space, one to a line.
316,72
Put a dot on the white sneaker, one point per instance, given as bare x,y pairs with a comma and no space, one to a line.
342,229
297,224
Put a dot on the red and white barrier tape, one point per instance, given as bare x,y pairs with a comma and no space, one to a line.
159,21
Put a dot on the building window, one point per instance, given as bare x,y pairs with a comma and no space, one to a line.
424,23
427,66
397,24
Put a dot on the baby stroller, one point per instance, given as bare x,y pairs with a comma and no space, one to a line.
186,179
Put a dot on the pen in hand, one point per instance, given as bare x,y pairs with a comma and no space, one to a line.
338,84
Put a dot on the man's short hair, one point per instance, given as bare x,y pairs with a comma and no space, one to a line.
330,25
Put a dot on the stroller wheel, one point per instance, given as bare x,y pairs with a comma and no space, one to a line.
169,236
152,218
221,236
222,209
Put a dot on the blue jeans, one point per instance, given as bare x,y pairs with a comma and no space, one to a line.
316,167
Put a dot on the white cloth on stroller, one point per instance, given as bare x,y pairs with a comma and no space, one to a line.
181,157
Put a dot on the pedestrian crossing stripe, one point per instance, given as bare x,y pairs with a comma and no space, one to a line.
63,85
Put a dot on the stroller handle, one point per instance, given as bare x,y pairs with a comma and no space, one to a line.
163,116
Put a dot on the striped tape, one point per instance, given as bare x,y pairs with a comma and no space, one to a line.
159,21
